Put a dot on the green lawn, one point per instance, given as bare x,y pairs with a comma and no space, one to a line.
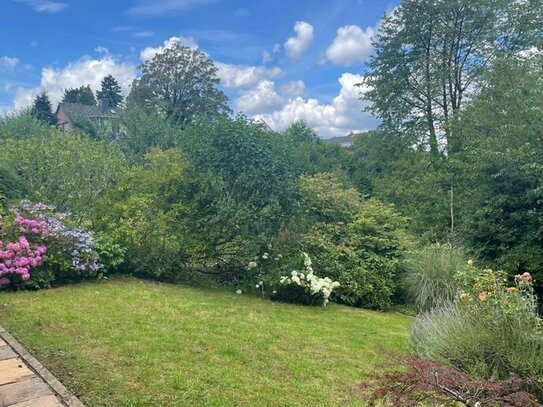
128,342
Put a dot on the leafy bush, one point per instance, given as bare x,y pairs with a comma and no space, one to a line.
150,215
23,126
69,171
307,289
491,330
429,277
11,185
358,242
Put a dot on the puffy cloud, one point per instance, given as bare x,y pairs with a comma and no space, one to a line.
8,63
342,115
261,99
351,45
293,89
240,76
86,71
295,46
161,7
150,52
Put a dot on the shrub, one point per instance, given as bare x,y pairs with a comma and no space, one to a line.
358,242
491,330
34,229
429,277
11,185
69,171
304,288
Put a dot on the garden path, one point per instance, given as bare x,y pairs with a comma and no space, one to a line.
24,382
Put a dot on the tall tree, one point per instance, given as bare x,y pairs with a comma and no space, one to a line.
111,91
180,84
42,110
82,95
430,55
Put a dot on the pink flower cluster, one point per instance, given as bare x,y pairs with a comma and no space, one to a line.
19,258
31,226
525,277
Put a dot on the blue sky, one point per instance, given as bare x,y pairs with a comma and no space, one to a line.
280,60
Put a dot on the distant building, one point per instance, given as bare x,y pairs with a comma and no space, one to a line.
68,114
263,125
344,141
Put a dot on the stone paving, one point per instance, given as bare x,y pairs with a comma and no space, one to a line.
24,382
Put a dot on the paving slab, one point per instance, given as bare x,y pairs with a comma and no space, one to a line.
25,382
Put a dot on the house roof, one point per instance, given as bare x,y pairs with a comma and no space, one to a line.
78,109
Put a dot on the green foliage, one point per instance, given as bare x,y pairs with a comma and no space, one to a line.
429,57
147,215
83,95
180,84
12,186
67,170
491,333
42,110
247,186
110,90
429,276
23,125
143,131
357,242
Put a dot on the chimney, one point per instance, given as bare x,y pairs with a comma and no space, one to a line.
104,105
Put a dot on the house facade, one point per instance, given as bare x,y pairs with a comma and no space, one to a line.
69,114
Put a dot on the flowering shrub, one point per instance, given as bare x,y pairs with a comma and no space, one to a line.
305,288
492,329
18,258
34,230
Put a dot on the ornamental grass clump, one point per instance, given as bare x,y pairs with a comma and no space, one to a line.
305,288
491,329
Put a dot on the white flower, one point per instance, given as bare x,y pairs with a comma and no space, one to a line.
265,256
251,265
296,280
294,273
257,286
260,282
239,291
274,292
307,260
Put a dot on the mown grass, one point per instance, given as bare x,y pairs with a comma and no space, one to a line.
128,342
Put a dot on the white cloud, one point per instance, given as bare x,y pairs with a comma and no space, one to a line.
351,45
261,99
342,115
293,89
240,76
8,63
266,57
44,6
150,52
161,7
295,46
86,71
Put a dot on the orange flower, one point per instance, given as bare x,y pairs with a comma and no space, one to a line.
511,289
483,295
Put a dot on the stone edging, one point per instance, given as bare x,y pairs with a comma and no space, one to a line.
65,395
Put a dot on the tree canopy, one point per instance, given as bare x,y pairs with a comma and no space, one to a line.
110,90
83,95
42,109
181,84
